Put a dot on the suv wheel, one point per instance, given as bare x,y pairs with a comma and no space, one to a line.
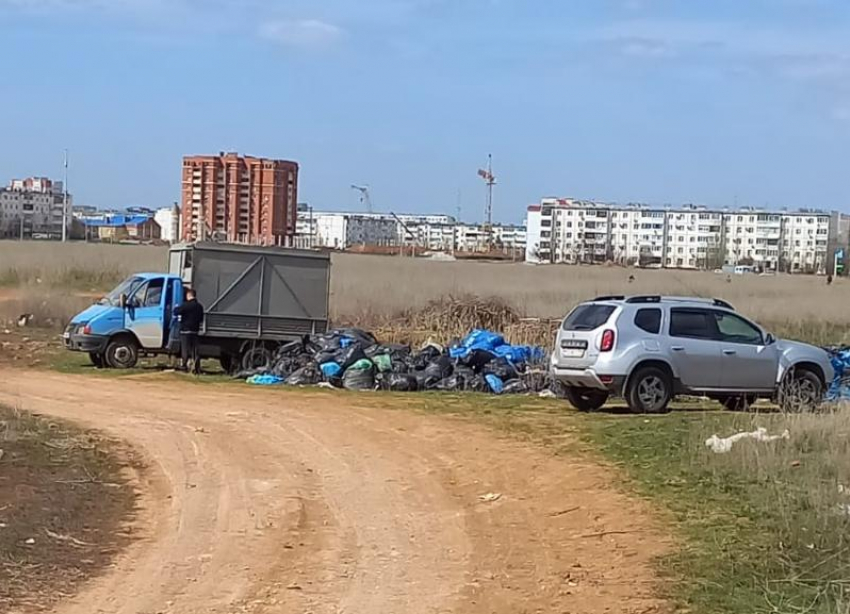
585,399
649,391
121,353
801,391
739,402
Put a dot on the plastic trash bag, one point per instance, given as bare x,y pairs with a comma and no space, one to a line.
265,380
331,370
520,354
477,359
477,340
289,349
477,383
451,383
399,382
440,368
361,376
501,368
495,383
348,356
383,362
309,375
515,386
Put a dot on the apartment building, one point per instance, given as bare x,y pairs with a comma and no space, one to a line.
32,207
239,199
689,237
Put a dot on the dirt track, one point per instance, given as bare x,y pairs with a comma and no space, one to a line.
259,501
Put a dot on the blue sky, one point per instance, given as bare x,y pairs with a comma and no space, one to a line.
661,101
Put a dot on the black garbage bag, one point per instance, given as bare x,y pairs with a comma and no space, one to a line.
477,384
284,367
359,379
308,375
325,356
396,351
515,386
400,366
399,382
477,360
326,342
451,383
422,381
289,349
423,357
358,336
439,368
463,371
501,368
348,356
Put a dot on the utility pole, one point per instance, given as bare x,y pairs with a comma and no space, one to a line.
65,202
490,180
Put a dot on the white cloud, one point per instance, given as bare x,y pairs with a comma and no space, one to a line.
301,33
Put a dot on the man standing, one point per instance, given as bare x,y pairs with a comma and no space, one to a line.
191,315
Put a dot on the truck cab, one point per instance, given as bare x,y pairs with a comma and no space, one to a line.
137,317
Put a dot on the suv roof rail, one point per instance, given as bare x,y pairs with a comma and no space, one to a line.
644,299
719,302
612,297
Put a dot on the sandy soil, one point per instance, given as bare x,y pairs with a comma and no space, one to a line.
262,501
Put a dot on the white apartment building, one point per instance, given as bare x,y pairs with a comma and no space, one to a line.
168,219
31,207
571,231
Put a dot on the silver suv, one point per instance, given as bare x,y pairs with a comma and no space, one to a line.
648,349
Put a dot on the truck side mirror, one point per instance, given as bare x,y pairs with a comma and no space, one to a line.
122,301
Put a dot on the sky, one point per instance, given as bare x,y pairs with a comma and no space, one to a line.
715,102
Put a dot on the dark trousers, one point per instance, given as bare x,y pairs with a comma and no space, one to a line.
189,351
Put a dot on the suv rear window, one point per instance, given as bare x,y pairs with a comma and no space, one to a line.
588,317
649,320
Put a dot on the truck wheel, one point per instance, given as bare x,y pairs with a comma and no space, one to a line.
801,391
585,399
257,358
122,353
739,402
96,359
649,391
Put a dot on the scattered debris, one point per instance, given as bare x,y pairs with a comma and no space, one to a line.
490,497
723,445
30,541
25,319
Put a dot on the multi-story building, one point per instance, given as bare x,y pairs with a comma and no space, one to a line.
689,237
32,207
239,199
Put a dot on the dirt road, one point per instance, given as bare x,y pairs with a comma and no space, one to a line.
262,501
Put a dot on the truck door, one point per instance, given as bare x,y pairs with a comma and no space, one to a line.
145,313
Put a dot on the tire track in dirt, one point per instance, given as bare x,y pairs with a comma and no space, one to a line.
258,501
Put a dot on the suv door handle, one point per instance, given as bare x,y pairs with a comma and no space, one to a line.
677,348
730,352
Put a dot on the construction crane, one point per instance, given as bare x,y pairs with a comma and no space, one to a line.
490,180
365,195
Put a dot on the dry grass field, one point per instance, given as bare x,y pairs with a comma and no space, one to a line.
53,281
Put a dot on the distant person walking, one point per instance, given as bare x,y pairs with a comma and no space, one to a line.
191,315
829,279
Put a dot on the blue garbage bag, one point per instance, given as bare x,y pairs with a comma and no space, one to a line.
520,354
495,383
331,370
477,340
265,380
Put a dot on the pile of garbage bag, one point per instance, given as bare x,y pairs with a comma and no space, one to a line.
353,359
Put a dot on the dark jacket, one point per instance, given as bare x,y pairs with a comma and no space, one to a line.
191,316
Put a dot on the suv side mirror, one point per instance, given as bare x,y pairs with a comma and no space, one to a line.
769,339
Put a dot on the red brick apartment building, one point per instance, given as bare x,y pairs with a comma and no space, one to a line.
241,199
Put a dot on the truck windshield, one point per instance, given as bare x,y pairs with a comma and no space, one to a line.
128,286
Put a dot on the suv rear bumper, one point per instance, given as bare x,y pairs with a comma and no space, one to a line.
587,378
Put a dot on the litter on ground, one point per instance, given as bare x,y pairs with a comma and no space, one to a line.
353,359
720,445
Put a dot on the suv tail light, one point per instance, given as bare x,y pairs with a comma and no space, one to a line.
607,341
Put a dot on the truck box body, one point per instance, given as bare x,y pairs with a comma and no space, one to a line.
256,292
